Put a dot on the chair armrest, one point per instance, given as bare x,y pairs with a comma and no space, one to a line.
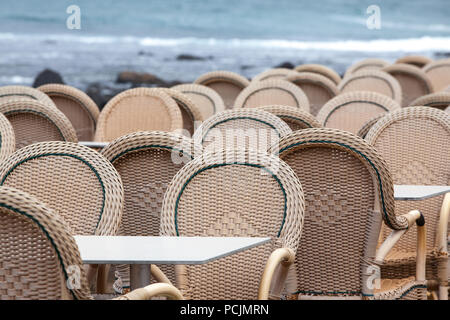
153,290
282,257
442,234
159,275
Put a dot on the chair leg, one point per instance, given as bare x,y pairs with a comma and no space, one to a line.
102,276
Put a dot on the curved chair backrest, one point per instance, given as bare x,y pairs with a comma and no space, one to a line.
295,118
418,61
78,183
368,125
276,73
247,128
7,138
18,92
226,83
350,111
269,92
319,89
77,106
415,142
38,253
190,113
439,100
233,193
207,100
348,192
439,73
320,69
413,81
366,64
34,121
372,80
139,109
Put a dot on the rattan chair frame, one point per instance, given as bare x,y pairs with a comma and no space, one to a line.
418,61
320,69
366,64
17,92
7,138
275,73
295,118
439,100
441,79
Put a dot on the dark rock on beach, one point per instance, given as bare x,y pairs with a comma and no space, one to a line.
102,93
145,53
287,65
440,55
47,76
192,57
137,78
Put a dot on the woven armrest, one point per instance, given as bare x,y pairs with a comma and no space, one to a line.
153,290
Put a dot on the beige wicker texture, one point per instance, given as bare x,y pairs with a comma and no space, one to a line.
368,125
34,121
447,89
15,92
439,73
7,138
295,118
234,193
350,111
139,109
348,193
439,100
366,64
415,142
147,162
78,107
418,61
207,100
320,69
227,84
247,128
78,183
319,89
269,92
276,73
372,80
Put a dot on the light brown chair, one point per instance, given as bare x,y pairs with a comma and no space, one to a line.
372,80
7,138
320,69
139,109
368,125
319,89
34,121
418,61
247,128
207,100
439,100
295,118
350,111
366,64
226,83
17,92
77,106
413,81
147,162
235,193
439,73
276,73
415,142
39,255
348,193
269,92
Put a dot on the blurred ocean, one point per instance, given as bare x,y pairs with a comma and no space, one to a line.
245,36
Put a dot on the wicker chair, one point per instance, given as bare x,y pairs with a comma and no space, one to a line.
348,193
34,121
439,100
413,81
418,61
276,73
295,118
207,100
147,162
319,89
269,92
439,73
139,109
350,111
77,106
247,128
235,193
366,64
320,69
227,84
372,80
39,254
416,145
7,138
14,92
368,125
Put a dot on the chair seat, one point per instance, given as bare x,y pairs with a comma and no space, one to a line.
406,289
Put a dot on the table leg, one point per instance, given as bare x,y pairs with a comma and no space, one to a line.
139,276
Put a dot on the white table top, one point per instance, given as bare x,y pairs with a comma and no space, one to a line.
93,144
412,192
160,250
